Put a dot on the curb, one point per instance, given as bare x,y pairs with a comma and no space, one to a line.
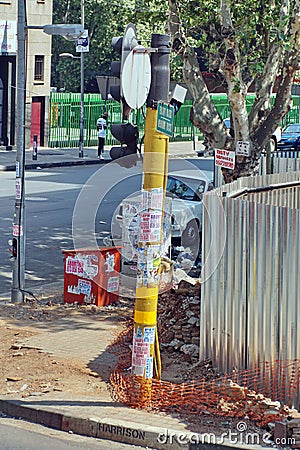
114,430
84,162
31,166
121,431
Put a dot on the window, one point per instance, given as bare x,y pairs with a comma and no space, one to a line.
39,68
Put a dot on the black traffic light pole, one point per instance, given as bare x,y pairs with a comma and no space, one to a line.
126,133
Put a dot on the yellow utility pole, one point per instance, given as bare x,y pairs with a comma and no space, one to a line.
145,351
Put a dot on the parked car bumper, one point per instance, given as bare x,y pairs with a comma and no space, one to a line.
287,146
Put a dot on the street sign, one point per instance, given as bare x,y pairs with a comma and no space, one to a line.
8,37
136,78
224,158
82,43
165,118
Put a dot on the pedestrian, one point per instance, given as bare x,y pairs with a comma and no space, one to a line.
101,127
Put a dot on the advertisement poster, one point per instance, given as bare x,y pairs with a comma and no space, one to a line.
224,158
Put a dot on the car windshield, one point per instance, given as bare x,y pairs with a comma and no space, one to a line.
294,128
191,190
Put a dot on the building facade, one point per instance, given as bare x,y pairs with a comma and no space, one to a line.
38,67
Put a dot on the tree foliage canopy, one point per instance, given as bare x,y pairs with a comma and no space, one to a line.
250,44
247,45
103,19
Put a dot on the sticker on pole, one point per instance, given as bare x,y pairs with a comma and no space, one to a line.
82,43
224,158
18,189
17,230
242,148
165,118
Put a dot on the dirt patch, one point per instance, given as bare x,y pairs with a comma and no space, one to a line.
30,371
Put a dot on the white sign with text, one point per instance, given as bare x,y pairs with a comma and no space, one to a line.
242,148
8,37
224,158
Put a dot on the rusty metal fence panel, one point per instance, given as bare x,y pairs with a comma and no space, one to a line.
250,277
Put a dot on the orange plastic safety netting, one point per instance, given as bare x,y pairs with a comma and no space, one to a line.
255,393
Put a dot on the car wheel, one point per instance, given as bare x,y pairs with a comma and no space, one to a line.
191,237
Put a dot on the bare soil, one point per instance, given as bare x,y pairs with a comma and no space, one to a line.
30,371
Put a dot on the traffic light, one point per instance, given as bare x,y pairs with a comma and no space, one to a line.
123,46
127,134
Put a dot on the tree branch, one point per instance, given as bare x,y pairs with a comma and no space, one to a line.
262,104
231,69
290,66
204,113
65,20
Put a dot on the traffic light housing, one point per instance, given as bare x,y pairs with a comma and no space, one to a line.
123,46
127,134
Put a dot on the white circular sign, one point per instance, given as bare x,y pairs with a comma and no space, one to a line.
136,78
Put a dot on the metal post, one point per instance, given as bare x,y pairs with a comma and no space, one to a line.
106,93
81,137
145,354
18,275
35,147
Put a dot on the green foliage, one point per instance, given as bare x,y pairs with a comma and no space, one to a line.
255,25
103,19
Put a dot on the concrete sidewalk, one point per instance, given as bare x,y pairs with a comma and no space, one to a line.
56,157
98,417
85,338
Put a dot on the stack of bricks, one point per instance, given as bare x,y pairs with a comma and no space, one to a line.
287,433
179,318
187,327
293,432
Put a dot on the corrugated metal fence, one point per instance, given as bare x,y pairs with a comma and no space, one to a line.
250,307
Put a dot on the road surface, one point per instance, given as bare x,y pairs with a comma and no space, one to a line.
20,435
52,198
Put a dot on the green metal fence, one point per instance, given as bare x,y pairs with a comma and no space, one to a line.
65,118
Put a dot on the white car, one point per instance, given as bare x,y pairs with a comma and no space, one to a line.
186,189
